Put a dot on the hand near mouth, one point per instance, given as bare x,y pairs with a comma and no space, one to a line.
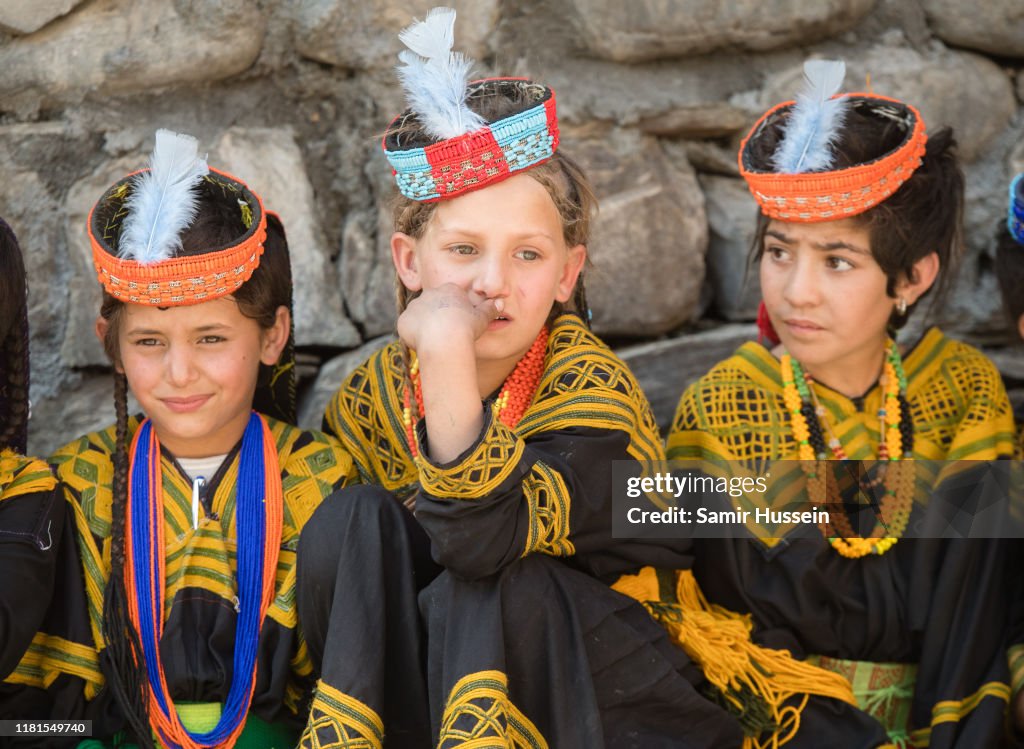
447,315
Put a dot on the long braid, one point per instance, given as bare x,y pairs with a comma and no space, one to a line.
14,380
126,670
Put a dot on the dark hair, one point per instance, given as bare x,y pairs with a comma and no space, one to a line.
217,224
1010,272
14,368
562,177
924,215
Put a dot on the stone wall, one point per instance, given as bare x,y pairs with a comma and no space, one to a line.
292,95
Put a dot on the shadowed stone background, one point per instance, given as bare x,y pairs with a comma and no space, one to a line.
654,96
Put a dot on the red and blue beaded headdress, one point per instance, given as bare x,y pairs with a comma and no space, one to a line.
439,147
1015,214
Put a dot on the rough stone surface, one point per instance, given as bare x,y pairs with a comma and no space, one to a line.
650,236
364,267
732,218
653,29
1017,159
365,34
978,112
666,368
709,158
270,162
82,407
127,46
332,374
995,26
27,16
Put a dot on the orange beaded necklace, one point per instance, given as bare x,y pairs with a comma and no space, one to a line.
515,397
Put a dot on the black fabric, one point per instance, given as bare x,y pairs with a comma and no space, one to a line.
923,601
585,664
31,533
362,558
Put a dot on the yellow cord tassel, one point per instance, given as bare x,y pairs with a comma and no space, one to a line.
718,641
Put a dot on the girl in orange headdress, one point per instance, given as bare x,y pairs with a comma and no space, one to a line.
860,220
200,621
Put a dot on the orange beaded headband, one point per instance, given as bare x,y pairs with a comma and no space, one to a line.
182,280
810,197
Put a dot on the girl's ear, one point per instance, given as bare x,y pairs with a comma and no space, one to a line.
403,254
102,325
574,261
923,276
274,338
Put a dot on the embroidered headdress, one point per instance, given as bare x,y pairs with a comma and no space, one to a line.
135,232
797,182
463,152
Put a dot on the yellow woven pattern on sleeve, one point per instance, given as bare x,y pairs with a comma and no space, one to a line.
483,470
548,499
479,714
338,721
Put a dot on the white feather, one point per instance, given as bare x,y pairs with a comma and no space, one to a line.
814,122
435,78
163,202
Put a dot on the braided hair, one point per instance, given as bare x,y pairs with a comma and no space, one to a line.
14,374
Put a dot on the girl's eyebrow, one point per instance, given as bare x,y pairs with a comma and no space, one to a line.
470,234
200,329
823,246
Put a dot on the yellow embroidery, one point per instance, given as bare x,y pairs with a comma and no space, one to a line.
337,721
480,715
481,473
20,476
549,502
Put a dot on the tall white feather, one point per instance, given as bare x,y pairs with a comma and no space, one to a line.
435,78
814,122
163,202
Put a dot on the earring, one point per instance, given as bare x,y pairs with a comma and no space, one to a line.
901,306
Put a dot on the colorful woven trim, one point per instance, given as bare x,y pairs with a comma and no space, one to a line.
884,691
1015,215
477,159
183,280
258,518
826,196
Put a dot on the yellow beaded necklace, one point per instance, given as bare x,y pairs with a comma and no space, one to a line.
896,443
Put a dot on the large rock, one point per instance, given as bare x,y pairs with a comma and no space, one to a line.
131,46
980,109
994,26
652,29
363,35
650,237
270,162
332,374
26,16
732,218
685,98
666,368
85,405
365,269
